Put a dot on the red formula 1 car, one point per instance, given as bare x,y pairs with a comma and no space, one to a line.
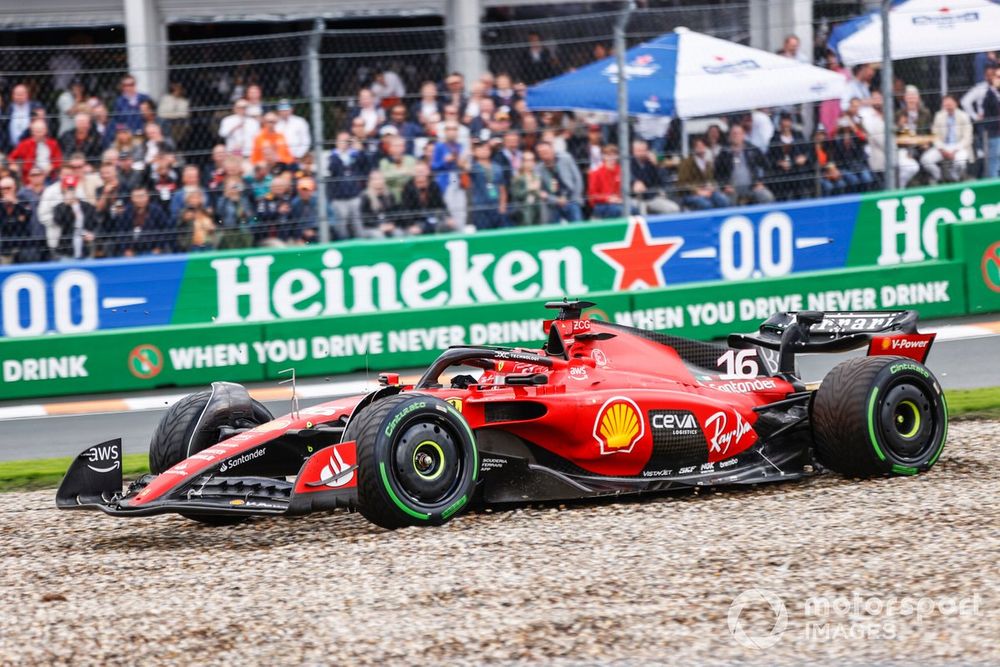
601,409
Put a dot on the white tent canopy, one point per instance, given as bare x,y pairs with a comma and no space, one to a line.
919,28
716,76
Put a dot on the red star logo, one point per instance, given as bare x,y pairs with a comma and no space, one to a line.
639,258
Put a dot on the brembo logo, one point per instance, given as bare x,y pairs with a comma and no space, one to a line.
619,425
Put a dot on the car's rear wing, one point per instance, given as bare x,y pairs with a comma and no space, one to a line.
810,331
835,324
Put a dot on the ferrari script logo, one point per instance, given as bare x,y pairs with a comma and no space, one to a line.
619,425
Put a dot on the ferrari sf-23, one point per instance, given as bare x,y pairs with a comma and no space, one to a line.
600,410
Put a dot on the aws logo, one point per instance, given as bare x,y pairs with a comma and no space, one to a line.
619,425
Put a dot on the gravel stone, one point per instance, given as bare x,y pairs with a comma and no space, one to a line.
629,582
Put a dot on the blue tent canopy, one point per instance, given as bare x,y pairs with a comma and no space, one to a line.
651,69
689,75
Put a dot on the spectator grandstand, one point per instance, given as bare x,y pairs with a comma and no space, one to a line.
93,167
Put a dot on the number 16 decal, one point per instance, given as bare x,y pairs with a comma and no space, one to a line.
739,364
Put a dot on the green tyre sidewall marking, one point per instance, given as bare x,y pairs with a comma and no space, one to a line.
944,434
455,506
392,494
871,424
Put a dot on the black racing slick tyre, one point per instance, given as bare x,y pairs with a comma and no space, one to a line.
880,415
171,442
417,461
172,438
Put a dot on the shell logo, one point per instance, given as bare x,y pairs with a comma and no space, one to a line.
619,425
886,343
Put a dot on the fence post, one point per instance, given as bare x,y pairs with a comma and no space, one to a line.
624,147
888,103
147,46
316,106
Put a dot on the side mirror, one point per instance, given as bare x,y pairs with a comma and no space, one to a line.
528,380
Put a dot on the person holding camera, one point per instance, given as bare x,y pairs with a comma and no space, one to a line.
197,230
77,223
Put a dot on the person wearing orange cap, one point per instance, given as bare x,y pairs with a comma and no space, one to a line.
304,208
269,136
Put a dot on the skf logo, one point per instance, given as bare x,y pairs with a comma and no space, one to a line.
619,425
455,402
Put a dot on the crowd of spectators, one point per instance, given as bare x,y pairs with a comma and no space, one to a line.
104,178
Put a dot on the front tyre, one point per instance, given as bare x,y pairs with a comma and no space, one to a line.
173,441
879,415
417,461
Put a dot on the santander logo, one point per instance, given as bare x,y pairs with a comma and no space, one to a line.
336,466
721,437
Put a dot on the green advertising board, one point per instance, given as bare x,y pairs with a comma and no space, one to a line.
411,338
196,355
129,360
903,226
369,277
977,246
933,289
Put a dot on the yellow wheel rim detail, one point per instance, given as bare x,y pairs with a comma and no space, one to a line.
440,468
900,419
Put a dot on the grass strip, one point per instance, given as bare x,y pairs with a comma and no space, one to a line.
974,403
47,473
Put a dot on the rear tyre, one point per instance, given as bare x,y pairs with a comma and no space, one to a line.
879,415
171,442
417,461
